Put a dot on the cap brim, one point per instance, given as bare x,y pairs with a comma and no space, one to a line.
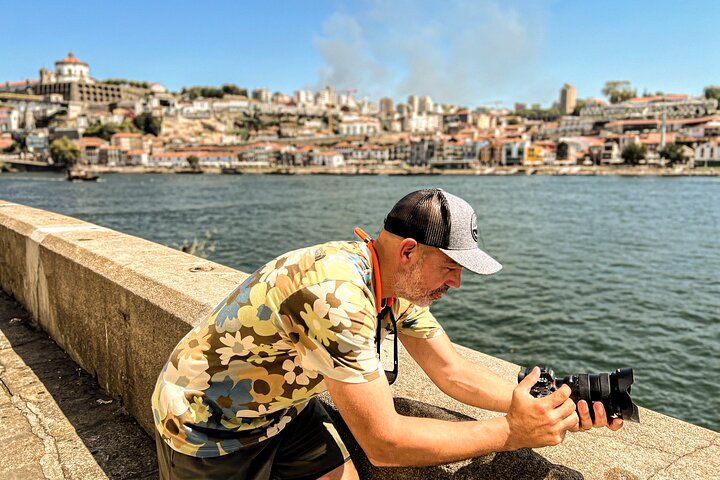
474,260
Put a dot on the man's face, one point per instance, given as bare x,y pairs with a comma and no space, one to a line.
428,278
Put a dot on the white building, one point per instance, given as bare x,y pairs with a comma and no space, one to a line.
9,119
328,158
422,123
71,69
360,126
707,155
303,97
425,104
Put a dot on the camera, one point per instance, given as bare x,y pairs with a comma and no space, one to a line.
612,389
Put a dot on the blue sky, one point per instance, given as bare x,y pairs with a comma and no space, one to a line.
462,52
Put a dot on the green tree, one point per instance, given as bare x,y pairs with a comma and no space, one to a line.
64,152
618,91
579,105
232,89
633,153
194,162
673,153
107,130
712,92
148,124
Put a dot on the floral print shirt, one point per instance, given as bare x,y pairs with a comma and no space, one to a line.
241,375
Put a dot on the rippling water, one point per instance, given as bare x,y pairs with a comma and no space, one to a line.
599,272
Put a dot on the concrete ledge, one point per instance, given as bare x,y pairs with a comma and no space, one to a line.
119,304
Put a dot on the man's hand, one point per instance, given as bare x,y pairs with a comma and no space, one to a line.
539,422
586,423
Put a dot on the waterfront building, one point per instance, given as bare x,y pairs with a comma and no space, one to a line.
707,155
540,153
110,155
90,149
136,157
346,149
568,99
422,151
513,151
179,159
327,158
611,153
127,141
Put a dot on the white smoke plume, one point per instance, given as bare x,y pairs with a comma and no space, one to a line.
457,52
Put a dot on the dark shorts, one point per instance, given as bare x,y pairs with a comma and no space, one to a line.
307,448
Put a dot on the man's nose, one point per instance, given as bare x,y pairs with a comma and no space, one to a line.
454,278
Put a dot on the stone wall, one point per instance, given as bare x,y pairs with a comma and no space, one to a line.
118,305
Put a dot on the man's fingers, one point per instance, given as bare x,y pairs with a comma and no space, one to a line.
600,417
530,380
559,396
584,414
616,424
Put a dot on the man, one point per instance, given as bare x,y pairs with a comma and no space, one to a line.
237,396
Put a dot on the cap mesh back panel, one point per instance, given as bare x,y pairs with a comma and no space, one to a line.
423,215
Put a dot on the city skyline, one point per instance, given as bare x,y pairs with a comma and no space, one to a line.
462,53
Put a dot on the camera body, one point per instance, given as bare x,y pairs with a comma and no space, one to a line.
612,389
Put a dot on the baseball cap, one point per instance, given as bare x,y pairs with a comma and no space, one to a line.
439,219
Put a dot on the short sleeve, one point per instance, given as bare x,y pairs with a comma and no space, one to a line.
331,325
416,321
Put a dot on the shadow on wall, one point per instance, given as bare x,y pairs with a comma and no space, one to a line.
117,443
522,464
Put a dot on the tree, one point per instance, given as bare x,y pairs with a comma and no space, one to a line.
712,92
618,91
64,152
194,162
148,124
673,153
231,89
579,105
633,153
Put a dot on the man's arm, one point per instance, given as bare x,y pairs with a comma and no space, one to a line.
457,377
475,385
390,439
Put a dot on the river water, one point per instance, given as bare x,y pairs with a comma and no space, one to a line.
599,272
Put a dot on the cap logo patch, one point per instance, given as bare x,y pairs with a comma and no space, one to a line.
473,227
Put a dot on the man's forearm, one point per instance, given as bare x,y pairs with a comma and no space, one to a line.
475,385
435,442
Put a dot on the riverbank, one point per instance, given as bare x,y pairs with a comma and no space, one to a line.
394,170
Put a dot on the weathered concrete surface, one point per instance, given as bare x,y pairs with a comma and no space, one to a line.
119,304
56,422
660,448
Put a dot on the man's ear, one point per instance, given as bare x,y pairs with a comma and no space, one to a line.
408,250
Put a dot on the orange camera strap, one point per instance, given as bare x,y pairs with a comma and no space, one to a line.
376,270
